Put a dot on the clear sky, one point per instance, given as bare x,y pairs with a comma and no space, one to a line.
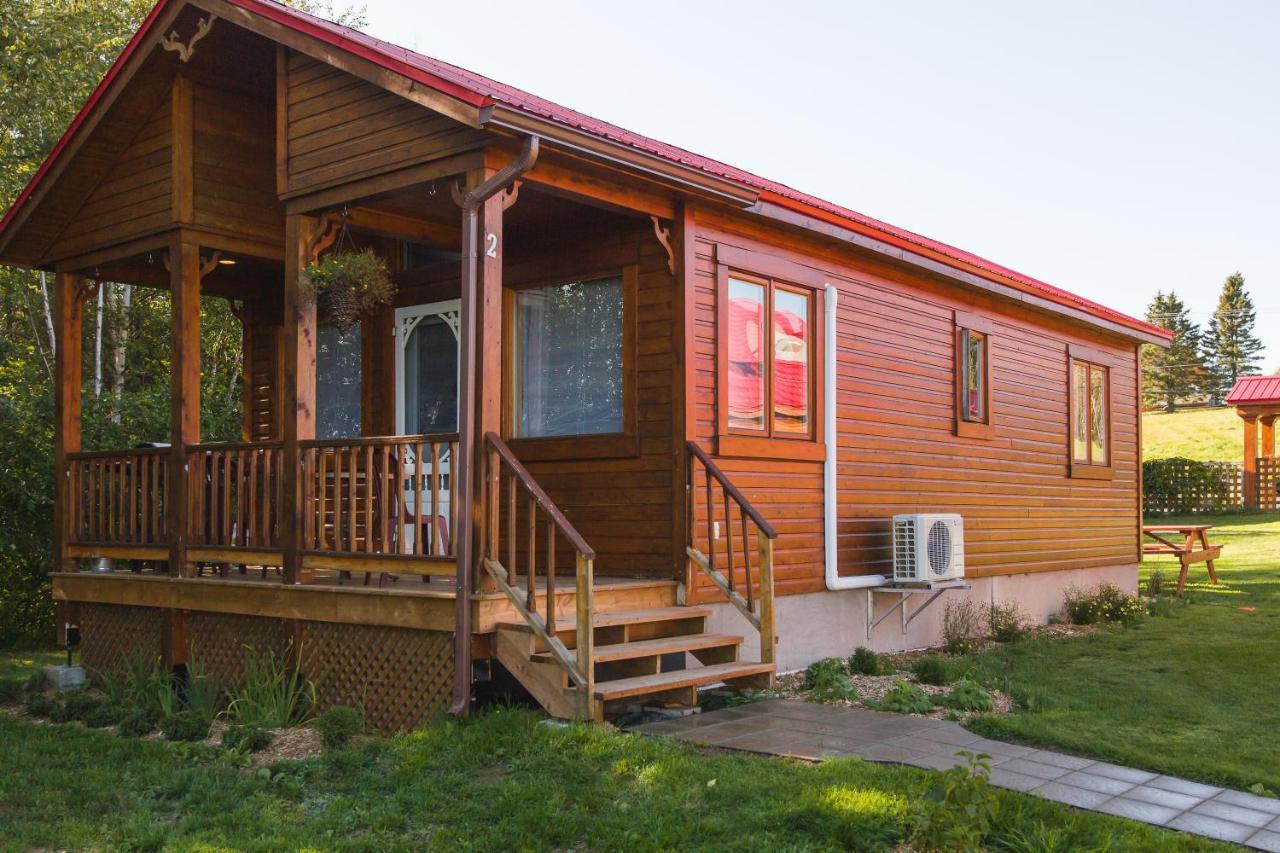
1111,148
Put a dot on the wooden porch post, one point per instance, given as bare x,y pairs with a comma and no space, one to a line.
66,402
1268,436
298,413
1250,461
488,376
184,393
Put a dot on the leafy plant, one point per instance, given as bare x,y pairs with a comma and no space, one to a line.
864,661
827,681
957,813
37,682
78,704
348,284
1155,583
186,725
39,705
201,691
968,695
146,685
338,725
246,738
271,695
106,714
1105,603
906,698
1006,621
931,670
961,626
136,723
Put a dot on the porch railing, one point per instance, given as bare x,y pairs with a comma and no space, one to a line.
234,496
117,497
509,489
381,499
748,518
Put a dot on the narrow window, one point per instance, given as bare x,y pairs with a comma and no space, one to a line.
338,367
569,368
746,379
1090,414
973,376
790,362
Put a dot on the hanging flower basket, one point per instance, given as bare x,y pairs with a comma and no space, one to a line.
348,284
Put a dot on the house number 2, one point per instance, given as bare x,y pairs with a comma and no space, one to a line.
491,245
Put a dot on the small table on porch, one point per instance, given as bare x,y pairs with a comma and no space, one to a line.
1194,547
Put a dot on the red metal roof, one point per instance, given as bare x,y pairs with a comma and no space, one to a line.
480,91
1254,390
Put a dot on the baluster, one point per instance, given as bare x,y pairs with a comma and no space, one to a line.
711,525
493,523
551,576
133,498
351,498
322,511
224,458
513,576
368,498
531,573
433,483
746,553
453,498
728,535
392,496
252,534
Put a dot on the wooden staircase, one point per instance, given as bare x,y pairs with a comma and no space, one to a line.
582,666
627,656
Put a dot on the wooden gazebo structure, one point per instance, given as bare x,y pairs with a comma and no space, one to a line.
1257,401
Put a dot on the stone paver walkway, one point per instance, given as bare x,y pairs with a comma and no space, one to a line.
799,729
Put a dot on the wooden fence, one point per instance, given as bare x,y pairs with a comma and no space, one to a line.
1186,486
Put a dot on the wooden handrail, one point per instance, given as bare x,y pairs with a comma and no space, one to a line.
379,440
235,445
544,503
127,452
730,489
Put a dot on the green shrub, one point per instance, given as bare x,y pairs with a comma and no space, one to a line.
968,695
270,694
1006,621
1155,583
864,661
137,722
822,671
200,691
961,626
956,813
931,670
39,705
906,698
10,691
338,725
145,684
186,725
1105,603
60,714
246,738
106,714
78,704
827,681
37,682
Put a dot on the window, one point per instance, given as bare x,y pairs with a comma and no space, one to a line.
768,367
570,363
1090,429
973,376
338,360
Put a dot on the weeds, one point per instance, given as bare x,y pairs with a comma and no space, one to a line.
1105,603
905,698
270,694
1006,621
959,811
338,725
827,681
863,661
968,695
931,670
961,626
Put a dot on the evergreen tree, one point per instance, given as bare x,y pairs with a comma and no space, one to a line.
1230,347
1169,375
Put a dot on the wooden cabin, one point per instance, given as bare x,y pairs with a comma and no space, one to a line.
636,422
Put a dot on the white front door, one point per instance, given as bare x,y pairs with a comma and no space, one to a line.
427,398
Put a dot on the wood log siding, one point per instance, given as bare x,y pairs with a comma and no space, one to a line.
341,128
235,495
356,495
117,497
895,411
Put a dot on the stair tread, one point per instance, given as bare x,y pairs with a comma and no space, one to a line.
625,687
633,617
658,646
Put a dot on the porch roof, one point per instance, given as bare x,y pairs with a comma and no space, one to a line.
487,95
1255,391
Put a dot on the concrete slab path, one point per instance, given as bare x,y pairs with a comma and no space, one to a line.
797,729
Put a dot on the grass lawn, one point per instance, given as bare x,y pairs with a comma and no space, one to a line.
1209,435
1194,694
499,781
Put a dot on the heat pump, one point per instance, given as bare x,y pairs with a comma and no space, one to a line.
928,548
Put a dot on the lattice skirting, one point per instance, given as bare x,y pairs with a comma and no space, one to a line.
221,641
398,676
113,635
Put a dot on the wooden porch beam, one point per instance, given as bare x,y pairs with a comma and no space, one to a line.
184,392
1250,461
298,411
68,319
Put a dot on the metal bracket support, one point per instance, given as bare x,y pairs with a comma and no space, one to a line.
904,594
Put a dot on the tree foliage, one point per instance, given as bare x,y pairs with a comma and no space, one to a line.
1230,347
1173,374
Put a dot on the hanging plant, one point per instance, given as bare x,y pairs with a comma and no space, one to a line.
347,282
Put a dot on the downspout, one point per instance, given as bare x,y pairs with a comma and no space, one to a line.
471,204
829,470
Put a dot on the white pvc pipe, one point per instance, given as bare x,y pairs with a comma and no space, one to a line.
829,470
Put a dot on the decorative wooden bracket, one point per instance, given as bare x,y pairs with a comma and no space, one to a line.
87,289
458,190
664,237
326,236
207,265
510,194
174,43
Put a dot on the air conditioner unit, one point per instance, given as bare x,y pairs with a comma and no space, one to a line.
928,548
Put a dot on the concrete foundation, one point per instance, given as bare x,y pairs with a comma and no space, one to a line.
826,624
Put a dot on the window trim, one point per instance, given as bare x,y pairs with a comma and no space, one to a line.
963,427
1091,358
748,443
617,445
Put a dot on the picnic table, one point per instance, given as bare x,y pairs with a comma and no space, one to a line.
1194,547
